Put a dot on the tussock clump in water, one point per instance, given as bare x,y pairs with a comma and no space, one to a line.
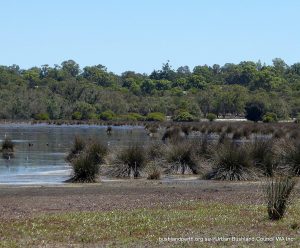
129,161
173,134
231,162
278,191
262,155
8,145
291,157
77,147
86,165
181,156
7,148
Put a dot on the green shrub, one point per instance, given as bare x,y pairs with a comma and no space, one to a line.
254,110
107,115
155,116
183,116
270,117
76,115
278,191
211,116
136,116
93,116
42,116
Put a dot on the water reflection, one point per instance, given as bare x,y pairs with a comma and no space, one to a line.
40,149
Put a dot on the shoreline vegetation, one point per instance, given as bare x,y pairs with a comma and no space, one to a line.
193,179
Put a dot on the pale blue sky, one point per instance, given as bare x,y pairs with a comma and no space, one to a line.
141,35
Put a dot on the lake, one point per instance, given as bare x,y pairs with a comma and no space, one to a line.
43,162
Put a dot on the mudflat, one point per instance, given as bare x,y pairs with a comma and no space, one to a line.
18,201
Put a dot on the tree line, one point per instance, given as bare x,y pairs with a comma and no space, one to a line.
66,91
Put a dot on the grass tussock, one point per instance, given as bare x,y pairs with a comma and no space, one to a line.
7,148
261,152
182,157
278,191
130,161
86,165
154,170
231,162
77,147
7,145
288,153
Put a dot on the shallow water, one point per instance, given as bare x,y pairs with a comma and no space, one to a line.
44,161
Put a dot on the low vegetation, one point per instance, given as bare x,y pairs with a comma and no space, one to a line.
77,147
144,227
7,148
231,162
86,164
129,161
278,191
182,158
7,145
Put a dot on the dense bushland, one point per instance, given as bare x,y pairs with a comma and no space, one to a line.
66,91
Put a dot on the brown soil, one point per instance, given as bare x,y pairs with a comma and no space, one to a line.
21,201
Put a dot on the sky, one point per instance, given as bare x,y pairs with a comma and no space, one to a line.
141,35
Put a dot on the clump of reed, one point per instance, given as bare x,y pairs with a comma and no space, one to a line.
181,157
153,170
129,161
261,153
278,191
78,146
155,151
173,134
231,162
292,158
237,135
278,134
7,148
202,148
8,145
86,165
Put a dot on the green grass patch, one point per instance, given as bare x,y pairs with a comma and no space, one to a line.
145,226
